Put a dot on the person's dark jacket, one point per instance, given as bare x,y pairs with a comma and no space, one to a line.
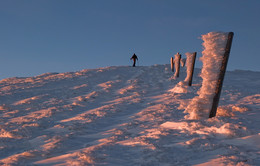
134,57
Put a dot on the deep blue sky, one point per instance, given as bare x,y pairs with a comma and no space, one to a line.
39,36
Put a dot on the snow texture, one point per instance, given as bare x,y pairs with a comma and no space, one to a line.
126,116
212,55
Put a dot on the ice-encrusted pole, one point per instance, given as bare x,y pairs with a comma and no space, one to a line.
221,76
190,63
172,64
177,59
215,44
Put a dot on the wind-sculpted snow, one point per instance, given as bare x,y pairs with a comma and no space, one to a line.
126,116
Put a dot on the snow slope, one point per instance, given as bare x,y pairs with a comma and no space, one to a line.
126,116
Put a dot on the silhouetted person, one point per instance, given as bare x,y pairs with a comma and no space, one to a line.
134,57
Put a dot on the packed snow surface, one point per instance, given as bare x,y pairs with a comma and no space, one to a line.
126,116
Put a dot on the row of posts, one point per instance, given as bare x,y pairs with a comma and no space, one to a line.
175,63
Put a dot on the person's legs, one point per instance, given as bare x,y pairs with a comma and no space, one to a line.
134,63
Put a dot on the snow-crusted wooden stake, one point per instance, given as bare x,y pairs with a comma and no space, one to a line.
192,68
178,66
172,64
221,76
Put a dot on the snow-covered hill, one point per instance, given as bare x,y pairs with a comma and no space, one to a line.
126,116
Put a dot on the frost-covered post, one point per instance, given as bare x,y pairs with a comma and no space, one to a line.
190,63
191,68
172,64
221,76
177,59
216,44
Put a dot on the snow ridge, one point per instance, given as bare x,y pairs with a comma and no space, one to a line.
125,116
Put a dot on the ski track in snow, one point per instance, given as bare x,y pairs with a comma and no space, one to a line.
126,116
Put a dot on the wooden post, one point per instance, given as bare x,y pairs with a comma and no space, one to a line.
213,111
178,69
192,68
172,64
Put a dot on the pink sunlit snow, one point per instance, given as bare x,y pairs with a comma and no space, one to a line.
126,116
